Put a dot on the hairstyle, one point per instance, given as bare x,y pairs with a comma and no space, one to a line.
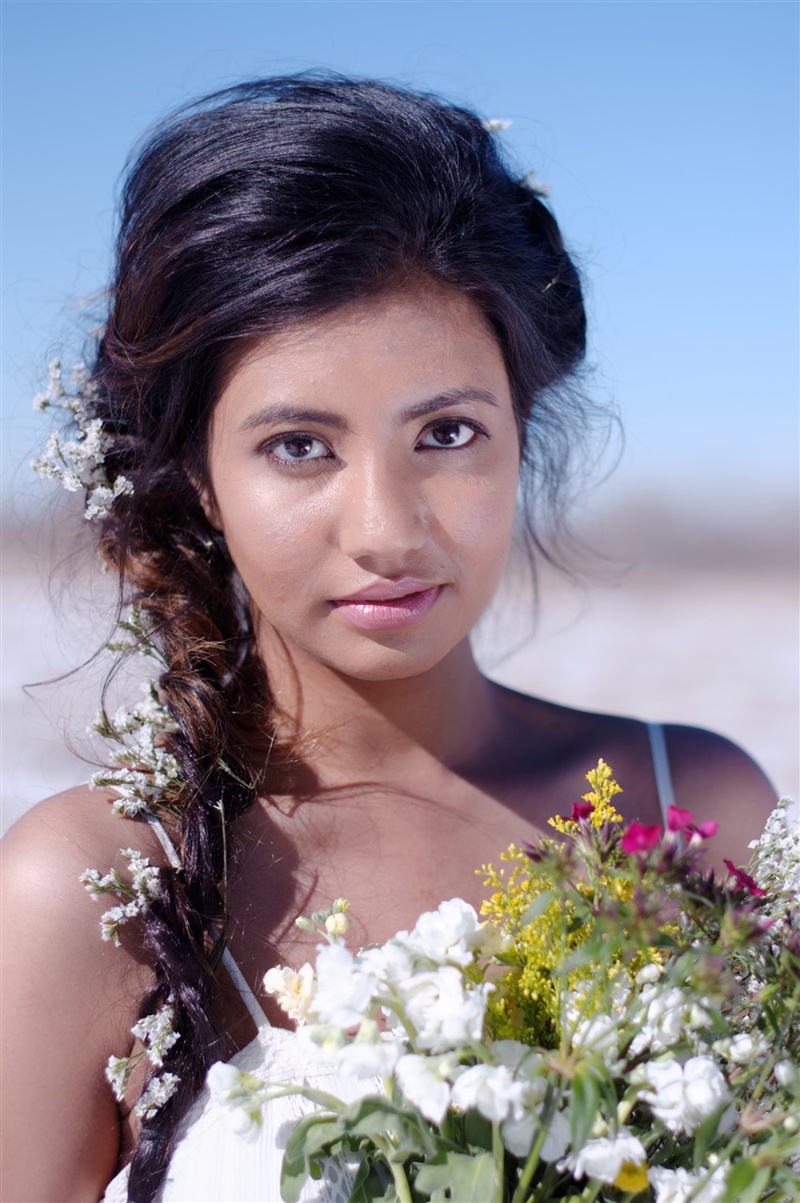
260,206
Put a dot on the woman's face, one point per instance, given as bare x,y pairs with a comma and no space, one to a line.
363,470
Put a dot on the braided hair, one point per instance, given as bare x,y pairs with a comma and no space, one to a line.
260,206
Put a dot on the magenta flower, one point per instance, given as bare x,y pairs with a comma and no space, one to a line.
677,819
640,837
705,830
744,881
581,811
683,820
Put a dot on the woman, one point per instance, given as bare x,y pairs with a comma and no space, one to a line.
338,331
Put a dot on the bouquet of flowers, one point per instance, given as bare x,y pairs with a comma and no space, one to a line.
619,1024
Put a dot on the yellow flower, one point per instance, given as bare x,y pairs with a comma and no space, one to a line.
632,1177
547,905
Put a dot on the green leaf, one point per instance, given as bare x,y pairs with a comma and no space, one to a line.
477,1131
467,1179
584,1099
583,955
309,1139
372,1182
705,1134
538,907
740,1177
370,1117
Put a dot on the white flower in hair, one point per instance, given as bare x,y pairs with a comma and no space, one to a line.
496,125
155,1095
79,462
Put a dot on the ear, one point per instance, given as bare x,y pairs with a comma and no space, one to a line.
210,508
208,502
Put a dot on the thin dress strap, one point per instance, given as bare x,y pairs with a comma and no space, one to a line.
661,771
237,977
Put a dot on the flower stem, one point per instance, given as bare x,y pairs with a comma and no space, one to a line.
532,1162
499,1154
401,1183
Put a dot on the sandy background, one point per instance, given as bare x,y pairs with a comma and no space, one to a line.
702,629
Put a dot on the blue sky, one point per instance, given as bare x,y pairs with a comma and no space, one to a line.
668,132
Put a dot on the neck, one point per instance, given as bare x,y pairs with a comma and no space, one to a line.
354,729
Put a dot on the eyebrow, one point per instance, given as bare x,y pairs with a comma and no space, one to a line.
448,399
272,414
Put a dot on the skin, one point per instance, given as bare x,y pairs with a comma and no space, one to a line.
414,768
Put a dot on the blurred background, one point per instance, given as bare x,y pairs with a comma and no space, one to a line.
668,135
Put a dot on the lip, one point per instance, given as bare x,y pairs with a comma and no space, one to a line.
388,605
387,591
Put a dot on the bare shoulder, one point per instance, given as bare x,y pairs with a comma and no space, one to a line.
50,923
49,847
716,779
69,998
711,776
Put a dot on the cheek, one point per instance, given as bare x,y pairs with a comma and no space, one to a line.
275,543
474,530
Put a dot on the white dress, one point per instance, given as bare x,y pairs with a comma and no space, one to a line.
212,1163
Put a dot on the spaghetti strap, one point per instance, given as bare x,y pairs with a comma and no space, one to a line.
248,997
237,977
661,771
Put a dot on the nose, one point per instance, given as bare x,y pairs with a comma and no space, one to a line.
382,516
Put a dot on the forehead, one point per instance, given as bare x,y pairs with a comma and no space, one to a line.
396,343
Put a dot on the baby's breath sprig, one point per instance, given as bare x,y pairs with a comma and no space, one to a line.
134,896
776,861
78,462
158,1035
146,774
133,633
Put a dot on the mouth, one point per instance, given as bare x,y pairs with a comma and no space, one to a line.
389,604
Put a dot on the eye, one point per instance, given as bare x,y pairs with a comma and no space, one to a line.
298,448
450,432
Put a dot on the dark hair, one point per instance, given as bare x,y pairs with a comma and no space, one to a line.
263,205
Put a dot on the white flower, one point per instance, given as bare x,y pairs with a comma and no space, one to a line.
518,1135
390,964
293,991
118,1072
157,1033
78,463
678,1186
517,1056
491,1090
361,1059
345,987
698,1017
785,1072
666,1015
648,974
240,1094
447,935
155,1095
443,1013
493,941
741,1049
144,887
604,1158
337,924
776,861
600,1034
423,1081
682,1096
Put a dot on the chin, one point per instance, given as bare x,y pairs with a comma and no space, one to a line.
388,664
390,657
